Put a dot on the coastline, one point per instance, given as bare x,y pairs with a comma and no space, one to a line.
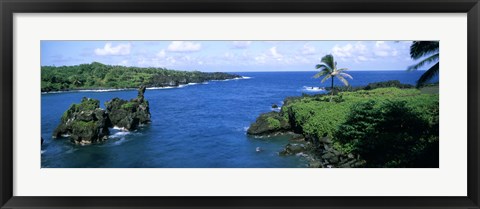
148,88
325,145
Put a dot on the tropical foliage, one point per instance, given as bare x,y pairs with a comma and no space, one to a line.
393,133
100,76
386,127
428,51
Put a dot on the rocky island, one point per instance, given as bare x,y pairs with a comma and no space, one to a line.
129,115
86,123
384,124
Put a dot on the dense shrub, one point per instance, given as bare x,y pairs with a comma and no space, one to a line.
393,133
318,117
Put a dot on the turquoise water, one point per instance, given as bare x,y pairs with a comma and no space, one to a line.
195,126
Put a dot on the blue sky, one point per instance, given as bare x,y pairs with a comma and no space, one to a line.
230,56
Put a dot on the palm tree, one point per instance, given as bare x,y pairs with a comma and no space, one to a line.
420,49
328,69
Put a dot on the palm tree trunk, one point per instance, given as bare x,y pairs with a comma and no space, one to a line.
331,90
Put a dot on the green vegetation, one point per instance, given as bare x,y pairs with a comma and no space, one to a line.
430,89
420,49
83,125
129,106
393,133
317,117
100,76
386,127
273,123
269,123
328,69
375,85
87,104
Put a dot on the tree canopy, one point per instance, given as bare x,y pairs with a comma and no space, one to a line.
99,76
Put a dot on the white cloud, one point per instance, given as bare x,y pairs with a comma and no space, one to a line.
261,59
274,53
308,50
184,46
241,44
382,49
109,49
349,50
358,52
161,54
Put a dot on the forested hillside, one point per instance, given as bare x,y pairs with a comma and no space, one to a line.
99,76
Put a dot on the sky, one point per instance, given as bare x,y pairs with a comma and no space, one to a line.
230,56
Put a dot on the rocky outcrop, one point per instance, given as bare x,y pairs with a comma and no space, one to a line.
324,155
84,123
129,115
295,148
269,124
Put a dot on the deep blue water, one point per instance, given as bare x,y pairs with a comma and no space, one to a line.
196,126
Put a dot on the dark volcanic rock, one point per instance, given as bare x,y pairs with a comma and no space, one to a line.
269,123
129,114
294,148
326,156
84,123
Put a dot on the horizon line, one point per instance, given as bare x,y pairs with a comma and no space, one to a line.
247,71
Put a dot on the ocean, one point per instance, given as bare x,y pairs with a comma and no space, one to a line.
194,126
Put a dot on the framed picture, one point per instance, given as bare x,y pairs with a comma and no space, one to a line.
265,104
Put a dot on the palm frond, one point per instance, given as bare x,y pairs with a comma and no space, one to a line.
419,49
342,69
343,80
428,75
346,75
329,61
322,66
321,73
326,78
433,58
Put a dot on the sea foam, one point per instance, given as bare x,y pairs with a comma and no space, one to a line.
313,89
165,87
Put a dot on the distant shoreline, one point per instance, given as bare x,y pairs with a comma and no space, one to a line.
134,89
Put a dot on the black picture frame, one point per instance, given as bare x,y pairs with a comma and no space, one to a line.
10,7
